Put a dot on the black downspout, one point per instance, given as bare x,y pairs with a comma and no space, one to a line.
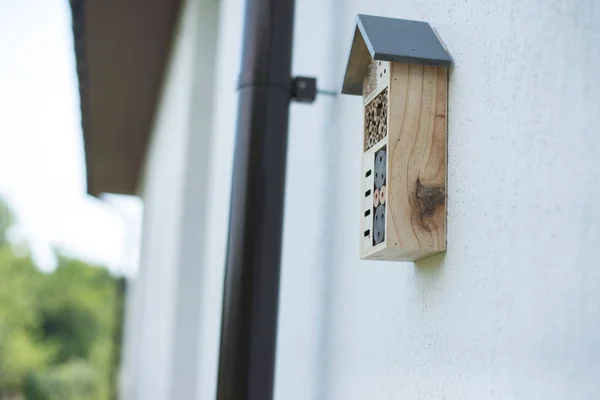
251,289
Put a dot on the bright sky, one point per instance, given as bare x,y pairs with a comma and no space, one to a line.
42,171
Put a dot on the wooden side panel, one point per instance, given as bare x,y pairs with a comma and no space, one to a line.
417,165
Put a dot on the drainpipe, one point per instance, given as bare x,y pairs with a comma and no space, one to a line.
251,287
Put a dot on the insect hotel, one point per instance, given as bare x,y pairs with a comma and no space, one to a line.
400,68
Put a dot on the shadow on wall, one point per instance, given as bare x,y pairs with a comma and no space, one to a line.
430,266
430,269
331,191
328,257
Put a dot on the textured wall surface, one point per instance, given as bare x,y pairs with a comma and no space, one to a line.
511,311
163,329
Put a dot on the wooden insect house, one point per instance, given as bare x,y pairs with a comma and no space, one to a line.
400,68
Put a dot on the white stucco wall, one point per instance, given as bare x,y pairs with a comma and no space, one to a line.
162,329
511,310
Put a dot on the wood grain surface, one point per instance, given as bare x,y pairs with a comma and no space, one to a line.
416,193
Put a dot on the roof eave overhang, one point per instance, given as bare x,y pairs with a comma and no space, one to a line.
121,51
390,39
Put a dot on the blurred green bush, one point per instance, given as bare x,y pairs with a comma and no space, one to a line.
59,331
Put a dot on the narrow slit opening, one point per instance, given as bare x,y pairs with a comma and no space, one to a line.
368,193
367,232
368,174
367,213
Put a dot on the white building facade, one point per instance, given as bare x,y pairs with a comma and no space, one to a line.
510,311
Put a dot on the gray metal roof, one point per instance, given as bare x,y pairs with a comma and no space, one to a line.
390,39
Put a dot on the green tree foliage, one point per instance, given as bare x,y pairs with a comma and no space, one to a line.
57,330
78,307
21,348
74,380
6,221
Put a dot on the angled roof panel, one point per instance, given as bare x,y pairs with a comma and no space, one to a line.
390,39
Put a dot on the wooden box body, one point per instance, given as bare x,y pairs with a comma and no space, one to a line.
404,161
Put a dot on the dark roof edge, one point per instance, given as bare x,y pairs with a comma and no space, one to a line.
78,27
364,35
